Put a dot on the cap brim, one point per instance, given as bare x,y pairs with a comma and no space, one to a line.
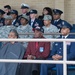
24,7
24,18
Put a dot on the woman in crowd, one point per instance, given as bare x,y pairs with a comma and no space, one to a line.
46,11
24,28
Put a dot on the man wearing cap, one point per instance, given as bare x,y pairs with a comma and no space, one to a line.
57,18
49,28
34,21
57,51
35,50
15,21
8,26
1,18
24,9
24,28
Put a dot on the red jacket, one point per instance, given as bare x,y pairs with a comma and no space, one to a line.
31,50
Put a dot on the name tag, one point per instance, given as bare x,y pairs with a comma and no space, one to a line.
41,49
68,43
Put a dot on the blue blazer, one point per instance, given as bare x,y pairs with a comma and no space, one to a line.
36,23
2,22
58,49
17,23
58,24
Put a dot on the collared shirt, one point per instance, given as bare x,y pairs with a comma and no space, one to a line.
13,21
32,21
65,36
56,20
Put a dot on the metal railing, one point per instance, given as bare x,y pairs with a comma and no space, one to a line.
45,33
64,61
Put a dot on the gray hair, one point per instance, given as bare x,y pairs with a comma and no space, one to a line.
14,31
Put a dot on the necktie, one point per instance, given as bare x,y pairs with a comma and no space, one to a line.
37,45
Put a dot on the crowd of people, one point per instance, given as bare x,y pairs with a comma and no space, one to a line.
13,25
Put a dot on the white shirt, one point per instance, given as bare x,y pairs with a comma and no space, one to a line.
32,21
13,21
65,36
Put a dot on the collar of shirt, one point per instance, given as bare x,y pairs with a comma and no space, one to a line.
57,20
13,21
65,36
32,20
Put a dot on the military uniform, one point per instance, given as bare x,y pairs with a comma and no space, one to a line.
57,22
4,31
15,21
1,18
25,29
51,29
58,49
24,6
35,22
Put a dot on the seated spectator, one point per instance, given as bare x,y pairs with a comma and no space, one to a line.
7,9
15,21
46,11
57,51
2,18
35,50
24,28
11,50
24,9
57,18
49,28
34,21
4,31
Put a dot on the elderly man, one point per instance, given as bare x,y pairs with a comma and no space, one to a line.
11,50
35,50
57,51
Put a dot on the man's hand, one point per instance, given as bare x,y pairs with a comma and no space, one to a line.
54,57
31,57
57,57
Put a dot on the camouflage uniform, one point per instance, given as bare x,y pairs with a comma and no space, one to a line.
4,31
50,29
25,29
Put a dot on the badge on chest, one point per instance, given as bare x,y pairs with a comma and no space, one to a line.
68,43
41,49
